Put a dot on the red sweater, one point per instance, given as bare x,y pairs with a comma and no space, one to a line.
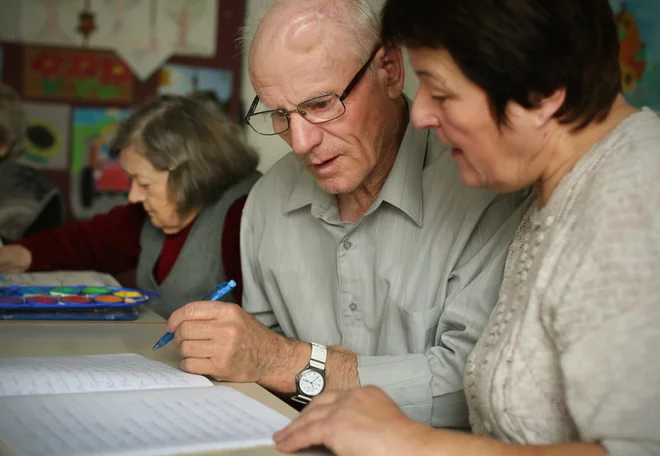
110,243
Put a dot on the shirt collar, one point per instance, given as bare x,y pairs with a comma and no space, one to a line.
402,189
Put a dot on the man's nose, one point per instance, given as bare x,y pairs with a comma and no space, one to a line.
304,135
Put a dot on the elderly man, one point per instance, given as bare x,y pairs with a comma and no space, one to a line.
365,259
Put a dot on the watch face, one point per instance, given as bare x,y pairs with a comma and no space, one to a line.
311,382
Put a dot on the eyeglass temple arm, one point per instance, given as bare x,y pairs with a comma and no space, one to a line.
360,73
253,106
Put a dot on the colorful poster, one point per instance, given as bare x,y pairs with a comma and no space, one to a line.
46,141
638,25
184,80
97,181
93,131
74,75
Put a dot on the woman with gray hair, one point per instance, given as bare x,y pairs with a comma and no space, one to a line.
28,202
190,175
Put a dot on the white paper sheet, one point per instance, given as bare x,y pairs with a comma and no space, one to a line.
80,374
155,422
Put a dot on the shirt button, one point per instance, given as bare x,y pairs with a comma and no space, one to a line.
353,307
347,245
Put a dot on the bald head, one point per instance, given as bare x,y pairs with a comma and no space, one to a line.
302,25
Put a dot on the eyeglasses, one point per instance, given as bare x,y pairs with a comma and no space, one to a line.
316,110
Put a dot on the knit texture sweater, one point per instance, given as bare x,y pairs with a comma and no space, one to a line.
572,349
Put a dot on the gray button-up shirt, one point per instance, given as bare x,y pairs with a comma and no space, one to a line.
409,287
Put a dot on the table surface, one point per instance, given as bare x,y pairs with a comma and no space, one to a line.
23,339
75,278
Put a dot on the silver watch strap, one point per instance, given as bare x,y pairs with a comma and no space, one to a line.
319,356
301,399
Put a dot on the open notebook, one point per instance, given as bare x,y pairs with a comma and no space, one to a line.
123,404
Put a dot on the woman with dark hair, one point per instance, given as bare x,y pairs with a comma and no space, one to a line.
191,172
529,93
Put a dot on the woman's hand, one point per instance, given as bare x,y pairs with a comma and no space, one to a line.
14,258
365,422
362,421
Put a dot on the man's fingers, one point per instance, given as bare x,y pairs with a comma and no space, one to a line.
195,330
198,349
198,310
201,366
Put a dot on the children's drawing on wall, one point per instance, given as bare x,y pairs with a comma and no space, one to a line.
187,80
50,22
95,174
67,74
135,29
638,26
195,22
46,141
145,33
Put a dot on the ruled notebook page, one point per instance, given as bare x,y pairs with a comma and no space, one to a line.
155,422
81,374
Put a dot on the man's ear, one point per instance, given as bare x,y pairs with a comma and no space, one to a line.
547,107
4,150
390,59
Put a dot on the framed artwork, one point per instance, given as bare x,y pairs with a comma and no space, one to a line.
76,75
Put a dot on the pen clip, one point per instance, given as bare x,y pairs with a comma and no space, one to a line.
210,296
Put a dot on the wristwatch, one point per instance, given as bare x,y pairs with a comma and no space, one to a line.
311,380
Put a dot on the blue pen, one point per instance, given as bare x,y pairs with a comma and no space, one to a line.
214,295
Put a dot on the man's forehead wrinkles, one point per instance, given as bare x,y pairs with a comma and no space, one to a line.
288,91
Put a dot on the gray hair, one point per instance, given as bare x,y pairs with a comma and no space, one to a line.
12,121
203,151
355,15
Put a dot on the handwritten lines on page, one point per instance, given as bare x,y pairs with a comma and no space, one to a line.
80,374
155,422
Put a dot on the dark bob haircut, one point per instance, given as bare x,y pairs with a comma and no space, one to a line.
520,50
204,152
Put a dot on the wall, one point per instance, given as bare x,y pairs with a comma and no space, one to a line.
271,148
14,72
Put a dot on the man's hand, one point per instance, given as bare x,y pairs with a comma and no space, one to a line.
361,421
223,341
14,258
